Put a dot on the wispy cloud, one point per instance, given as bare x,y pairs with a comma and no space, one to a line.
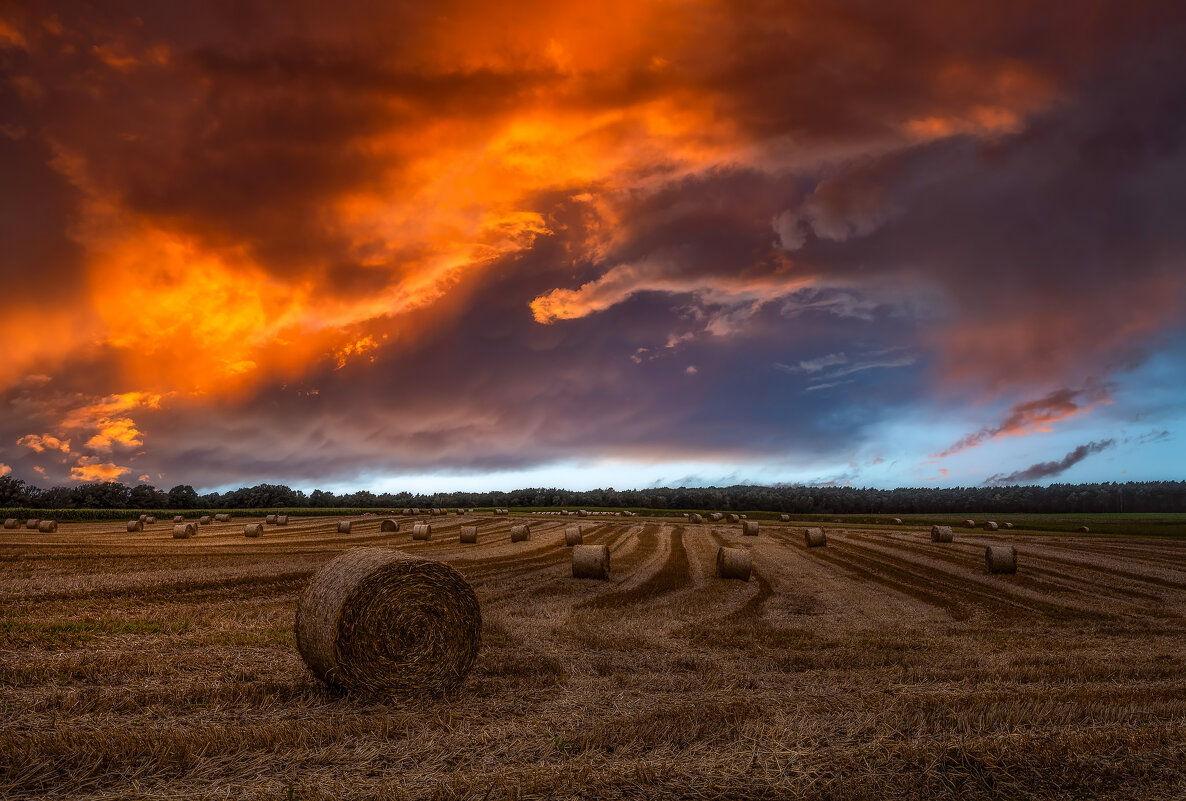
1036,472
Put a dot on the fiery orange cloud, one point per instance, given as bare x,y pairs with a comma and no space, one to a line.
43,442
1036,416
91,469
5,470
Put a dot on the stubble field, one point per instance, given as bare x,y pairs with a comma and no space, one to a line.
882,666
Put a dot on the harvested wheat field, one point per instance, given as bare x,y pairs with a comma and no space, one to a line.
885,665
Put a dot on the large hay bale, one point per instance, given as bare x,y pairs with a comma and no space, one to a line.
282,520
969,524
1084,530
12,522
380,624
941,534
990,525
389,525
1000,559
253,530
815,537
270,520
734,518
734,563
784,518
204,520
590,561
32,523
520,533
48,526
422,531
178,518
183,531
343,526
750,528
572,536
695,518
135,525
469,534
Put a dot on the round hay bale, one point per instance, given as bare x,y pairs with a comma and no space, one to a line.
422,531
750,528
572,536
784,518
406,512
990,525
135,525
1006,525
583,513
253,530
734,518
590,561
143,518
183,531
222,518
32,523
815,537
270,520
389,525
469,534
734,563
178,518
150,520
204,520
743,517
942,534
897,521
343,526
48,526
520,533
379,623
282,520
1084,530
12,522
716,517
969,524
1000,559
695,518
459,511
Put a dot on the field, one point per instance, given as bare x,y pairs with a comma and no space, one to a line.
882,666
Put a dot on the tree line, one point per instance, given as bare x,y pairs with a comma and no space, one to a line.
1144,496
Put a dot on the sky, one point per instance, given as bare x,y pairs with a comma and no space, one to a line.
475,245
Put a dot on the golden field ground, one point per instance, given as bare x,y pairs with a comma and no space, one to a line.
882,666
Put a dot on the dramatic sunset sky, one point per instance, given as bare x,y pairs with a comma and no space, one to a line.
472,245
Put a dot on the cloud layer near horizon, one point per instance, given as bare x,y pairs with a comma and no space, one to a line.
250,241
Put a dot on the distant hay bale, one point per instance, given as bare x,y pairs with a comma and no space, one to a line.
150,520
469,534
695,518
784,518
270,520
379,623
282,520
502,511
422,531
969,524
33,523
48,526
520,533
223,518
941,534
716,516
1000,559
897,521
389,525
734,563
343,526
253,530
204,520
1006,525
734,518
572,536
990,525
583,513
406,512
815,537
143,518
1084,530
178,518
182,531
750,528
590,561
743,517
135,525
12,522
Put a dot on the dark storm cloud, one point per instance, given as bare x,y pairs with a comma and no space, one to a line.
1041,470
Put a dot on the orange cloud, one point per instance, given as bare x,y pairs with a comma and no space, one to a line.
43,442
1036,416
91,469
5,470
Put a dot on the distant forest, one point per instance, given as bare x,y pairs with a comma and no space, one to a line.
1147,496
